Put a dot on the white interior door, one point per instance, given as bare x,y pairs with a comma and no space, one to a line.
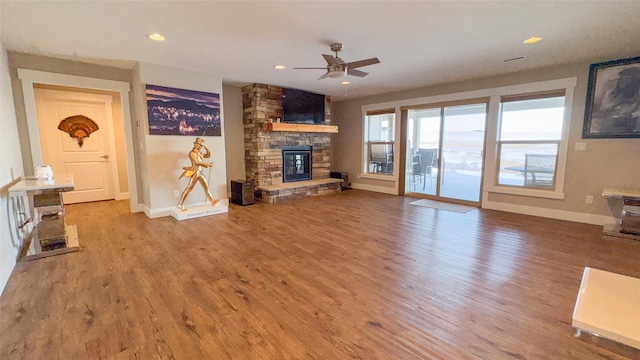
89,164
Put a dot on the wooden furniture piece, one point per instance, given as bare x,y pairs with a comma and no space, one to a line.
50,235
608,307
288,127
629,221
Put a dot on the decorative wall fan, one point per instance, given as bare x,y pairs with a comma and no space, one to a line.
336,68
78,127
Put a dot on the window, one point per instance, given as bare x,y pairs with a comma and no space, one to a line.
529,137
379,127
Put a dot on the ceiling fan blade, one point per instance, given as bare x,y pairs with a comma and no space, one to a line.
356,64
306,68
357,73
330,59
324,76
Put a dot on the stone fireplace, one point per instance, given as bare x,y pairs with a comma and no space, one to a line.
262,106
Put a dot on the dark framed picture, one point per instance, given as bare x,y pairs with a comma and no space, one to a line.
182,112
613,100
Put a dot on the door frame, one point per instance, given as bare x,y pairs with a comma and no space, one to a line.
403,148
106,100
31,77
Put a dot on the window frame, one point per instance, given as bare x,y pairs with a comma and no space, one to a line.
494,94
500,142
493,161
366,143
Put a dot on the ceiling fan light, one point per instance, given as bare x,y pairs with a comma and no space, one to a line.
336,74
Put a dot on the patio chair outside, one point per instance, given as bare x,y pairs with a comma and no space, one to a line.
539,170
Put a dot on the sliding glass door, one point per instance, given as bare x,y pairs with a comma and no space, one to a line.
445,148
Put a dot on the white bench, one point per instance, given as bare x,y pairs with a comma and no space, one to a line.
608,307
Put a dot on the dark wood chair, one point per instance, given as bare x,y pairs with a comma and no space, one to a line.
423,169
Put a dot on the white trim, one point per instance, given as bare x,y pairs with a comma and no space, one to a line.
379,189
113,159
381,177
31,77
146,210
499,91
563,148
490,170
550,213
523,191
161,212
364,164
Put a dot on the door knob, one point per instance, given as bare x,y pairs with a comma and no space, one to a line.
106,157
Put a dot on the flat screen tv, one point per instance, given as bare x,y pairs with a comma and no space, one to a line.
302,107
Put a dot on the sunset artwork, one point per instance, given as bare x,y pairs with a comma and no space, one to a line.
182,112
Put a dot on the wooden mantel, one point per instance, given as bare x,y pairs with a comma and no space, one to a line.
302,128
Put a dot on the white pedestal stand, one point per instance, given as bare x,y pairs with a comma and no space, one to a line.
220,207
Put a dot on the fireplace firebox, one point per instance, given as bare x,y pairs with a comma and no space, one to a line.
296,163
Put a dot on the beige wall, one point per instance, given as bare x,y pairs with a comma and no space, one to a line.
234,133
605,163
164,156
10,172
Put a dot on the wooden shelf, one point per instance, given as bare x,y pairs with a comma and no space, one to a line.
301,128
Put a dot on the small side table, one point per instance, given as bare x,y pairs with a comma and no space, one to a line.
607,311
629,222
50,235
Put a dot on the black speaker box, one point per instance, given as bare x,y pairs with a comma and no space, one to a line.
345,184
242,192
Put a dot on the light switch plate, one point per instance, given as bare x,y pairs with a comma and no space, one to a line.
581,146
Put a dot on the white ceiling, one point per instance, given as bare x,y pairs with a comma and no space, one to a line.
418,43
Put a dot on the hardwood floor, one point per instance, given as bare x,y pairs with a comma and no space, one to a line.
356,275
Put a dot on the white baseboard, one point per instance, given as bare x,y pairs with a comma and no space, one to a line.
136,207
380,189
550,213
160,212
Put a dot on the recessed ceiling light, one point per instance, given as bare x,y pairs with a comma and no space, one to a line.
278,67
345,83
532,40
156,37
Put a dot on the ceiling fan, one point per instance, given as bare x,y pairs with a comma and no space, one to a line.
336,68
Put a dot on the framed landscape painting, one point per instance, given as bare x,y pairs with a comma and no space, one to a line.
182,112
613,100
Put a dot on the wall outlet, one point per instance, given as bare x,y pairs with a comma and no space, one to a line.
358,175
589,199
176,193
